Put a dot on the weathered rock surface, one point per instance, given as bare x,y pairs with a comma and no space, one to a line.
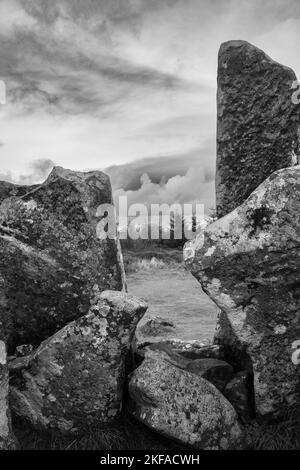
7,440
248,263
258,124
182,406
76,377
189,349
238,393
51,261
216,371
151,332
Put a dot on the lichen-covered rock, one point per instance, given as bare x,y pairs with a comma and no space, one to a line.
76,378
189,349
7,440
238,393
258,123
51,261
8,189
182,406
248,262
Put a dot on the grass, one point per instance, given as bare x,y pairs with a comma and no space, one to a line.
125,434
151,259
281,435
129,434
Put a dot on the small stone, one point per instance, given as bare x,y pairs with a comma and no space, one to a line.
23,350
215,371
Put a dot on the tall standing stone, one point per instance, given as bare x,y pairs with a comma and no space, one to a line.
258,123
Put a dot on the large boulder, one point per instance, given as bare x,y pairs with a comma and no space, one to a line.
52,262
7,440
8,189
248,262
76,377
258,123
182,405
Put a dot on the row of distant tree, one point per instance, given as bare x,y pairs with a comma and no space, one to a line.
177,234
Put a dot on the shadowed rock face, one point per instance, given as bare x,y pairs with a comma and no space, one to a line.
182,405
248,263
76,377
7,440
258,124
51,261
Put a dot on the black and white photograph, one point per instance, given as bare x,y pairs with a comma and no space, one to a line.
149,230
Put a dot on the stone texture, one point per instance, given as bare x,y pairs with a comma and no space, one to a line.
182,406
150,332
76,378
248,263
258,124
9,189
216,371
238,393
52,263
7,440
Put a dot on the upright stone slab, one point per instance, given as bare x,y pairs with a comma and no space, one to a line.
258,124
248,262
52,262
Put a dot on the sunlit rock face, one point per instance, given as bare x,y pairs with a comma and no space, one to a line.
182,405
52,262
7,440
76,377
248,262
258,122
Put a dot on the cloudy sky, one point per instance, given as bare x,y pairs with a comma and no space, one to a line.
126,84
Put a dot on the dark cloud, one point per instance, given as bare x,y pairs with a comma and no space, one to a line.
163,168
167,179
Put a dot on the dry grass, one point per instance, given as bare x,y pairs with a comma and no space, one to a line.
281,435
126,434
